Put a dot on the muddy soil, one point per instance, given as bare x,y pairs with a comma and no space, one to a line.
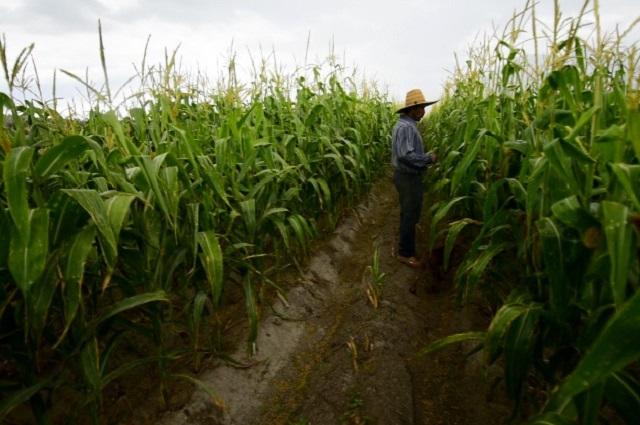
328,357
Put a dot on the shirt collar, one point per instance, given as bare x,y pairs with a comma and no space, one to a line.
407,118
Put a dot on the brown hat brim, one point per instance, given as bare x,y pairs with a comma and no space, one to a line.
404,108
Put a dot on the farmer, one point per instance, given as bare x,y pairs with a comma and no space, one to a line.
410,162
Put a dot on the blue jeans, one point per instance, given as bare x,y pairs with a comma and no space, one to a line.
411,189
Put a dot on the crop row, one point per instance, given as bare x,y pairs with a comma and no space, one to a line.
540,180
134,226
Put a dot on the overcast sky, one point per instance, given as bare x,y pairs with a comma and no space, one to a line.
402,44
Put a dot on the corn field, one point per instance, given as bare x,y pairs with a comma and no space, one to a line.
128,229
134,222
539,135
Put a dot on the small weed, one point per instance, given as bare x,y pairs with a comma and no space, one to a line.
300,421
375,279
353,414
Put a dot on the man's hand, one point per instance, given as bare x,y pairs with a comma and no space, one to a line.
434,157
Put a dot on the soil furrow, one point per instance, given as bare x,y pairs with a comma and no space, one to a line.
348,362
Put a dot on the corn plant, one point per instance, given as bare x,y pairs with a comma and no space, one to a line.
541,175
133,221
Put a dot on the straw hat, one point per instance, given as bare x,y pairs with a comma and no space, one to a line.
415,98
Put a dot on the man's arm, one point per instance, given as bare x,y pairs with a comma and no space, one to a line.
406,151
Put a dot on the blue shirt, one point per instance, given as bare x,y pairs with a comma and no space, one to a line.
407,151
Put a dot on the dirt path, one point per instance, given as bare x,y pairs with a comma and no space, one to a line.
329,357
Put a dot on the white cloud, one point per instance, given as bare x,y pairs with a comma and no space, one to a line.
403,44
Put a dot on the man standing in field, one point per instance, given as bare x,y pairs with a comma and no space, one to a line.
410,161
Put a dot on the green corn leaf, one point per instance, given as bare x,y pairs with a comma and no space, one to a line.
325,190
211,259
222,153
267,176
302,158
27,257
95,206
194,215
246,116
538,166
90,364
314,115
71,147
186,146
284,234
622,391
41,296
248,210
490,204
339,162
124,142
452,234
570,212
126,368
438,216
216,180
5,100
521,146
65,214
172,189
97,155
117,208
297,223
614,133
169,270
442,212
573,149
476,268
499,326
109,347
460,172
518,350
150,169
291,194
101,183
352,160
589,404
21,396
517,189
197,311
5,237
271,214
452,339
616,347
130,303
629,177
120,181
15,173
74,274
553,256
316,189
619,235
584,119
597,320
557,158
633,130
